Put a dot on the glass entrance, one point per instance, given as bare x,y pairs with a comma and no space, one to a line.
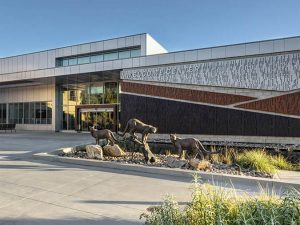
102,118
88,91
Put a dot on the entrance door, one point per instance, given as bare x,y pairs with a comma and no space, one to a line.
101,117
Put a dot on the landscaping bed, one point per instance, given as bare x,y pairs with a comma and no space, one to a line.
217,205
255,164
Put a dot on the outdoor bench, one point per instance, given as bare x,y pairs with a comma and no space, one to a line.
8,126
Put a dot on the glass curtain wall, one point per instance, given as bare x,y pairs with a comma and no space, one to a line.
99,57
29,113
2,113
84,90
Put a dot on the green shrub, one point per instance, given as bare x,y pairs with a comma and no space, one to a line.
168,213
296,167
257,160
227,155
211,205
281,163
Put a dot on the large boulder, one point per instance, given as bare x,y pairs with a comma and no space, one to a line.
175,163
69,151
114,151
197,164
94,152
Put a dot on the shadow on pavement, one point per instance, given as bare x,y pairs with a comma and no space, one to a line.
67,221
127,202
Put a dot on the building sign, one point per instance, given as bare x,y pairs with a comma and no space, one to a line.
275,72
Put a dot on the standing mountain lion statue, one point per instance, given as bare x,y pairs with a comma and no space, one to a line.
136,126
192,145
103,134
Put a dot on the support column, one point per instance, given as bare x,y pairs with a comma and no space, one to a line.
57,109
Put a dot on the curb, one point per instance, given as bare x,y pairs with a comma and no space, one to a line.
172,172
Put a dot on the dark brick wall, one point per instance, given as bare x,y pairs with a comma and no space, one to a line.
187,118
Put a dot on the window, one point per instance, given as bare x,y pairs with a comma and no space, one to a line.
59,62
111,92
32,115
37,114
43,112
65,62
72,61
2,113
124,54
135,52
97,58
21,116
49,112
83,59
16,113
11,113
29,113
96,93
4,116
26,113
1,116
71,117
110,56
73,95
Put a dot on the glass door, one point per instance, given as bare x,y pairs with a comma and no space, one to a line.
101,118
83,121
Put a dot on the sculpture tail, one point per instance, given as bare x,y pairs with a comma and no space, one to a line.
204,150
125,130
114,137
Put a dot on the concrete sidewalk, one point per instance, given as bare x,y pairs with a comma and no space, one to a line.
41,141
39,192
33,192
289,176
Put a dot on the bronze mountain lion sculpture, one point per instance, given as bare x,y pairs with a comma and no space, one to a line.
136,126
103,134
192,145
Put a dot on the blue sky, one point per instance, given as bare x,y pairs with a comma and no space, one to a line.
33,25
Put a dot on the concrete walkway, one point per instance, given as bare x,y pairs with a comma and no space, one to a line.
289,176
37,192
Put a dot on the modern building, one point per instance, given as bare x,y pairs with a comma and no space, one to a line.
249,89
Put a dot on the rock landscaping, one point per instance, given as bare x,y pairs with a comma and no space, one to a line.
94,152
117,155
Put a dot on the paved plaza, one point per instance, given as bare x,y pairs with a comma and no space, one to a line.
40,192
33,192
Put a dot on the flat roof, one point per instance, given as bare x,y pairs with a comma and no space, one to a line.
67,46
209,47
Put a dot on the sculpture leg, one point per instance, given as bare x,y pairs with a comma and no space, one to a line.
180,152
194,155
200,154
131,132
132,150
184,154
112,143
144,138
